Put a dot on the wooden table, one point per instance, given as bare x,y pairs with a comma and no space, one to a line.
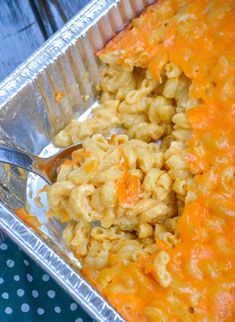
26,24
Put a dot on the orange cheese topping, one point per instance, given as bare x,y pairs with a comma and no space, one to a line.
91,166
29,219
128,185
80,155
199,37
127,188
59,96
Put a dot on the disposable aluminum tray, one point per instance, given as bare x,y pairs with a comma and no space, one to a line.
30,117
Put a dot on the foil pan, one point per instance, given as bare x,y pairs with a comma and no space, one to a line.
30,116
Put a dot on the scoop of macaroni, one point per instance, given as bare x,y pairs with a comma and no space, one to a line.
117,196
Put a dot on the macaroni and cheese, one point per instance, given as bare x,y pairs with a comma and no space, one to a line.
150,210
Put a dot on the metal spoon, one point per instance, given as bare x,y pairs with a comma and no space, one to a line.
46,168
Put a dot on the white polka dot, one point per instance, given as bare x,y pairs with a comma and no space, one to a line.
1,280
25,308
5,295
20,292
26,262
10,263
8,310
51,294
79,320
3,246
40,311
16,278
35,293
73,306
29,277
45,277
57,309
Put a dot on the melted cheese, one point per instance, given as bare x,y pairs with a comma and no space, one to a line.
199,37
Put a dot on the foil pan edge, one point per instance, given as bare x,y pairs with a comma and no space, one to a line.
67,277
55,45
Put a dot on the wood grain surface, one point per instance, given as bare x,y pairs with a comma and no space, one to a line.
26,24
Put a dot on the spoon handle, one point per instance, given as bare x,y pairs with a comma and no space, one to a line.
15,156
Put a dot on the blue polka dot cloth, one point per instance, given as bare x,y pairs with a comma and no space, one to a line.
28,294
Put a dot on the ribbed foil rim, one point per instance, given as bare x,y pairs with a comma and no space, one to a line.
54,46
